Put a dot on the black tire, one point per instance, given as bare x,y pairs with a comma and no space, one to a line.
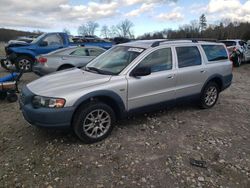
24,61
3,95
81,118
12,97
64,67
6,64
209,101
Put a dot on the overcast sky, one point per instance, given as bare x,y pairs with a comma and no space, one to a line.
147,15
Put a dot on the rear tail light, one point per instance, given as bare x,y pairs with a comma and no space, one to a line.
42,60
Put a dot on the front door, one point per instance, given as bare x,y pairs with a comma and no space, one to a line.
157,87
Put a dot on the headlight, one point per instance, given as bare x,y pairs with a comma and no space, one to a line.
39,101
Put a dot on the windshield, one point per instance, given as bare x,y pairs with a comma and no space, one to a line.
114,60
38,38
229,43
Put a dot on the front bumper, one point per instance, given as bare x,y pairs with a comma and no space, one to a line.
44,117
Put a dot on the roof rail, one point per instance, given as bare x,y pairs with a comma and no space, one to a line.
157,43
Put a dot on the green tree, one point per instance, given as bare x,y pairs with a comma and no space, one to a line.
203,22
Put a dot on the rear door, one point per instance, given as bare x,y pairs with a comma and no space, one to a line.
157,87
191,72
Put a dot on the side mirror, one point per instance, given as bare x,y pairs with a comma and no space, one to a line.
43,43
141,71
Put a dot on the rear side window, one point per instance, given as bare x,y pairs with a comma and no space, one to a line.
188,56
229,43
215,52
80,52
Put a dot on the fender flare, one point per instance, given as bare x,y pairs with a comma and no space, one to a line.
213,77
25,52
104,93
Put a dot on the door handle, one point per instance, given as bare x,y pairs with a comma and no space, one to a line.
203,71
170,77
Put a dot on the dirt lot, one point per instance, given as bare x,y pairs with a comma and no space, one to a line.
150,150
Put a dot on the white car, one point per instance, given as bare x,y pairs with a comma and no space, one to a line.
238,45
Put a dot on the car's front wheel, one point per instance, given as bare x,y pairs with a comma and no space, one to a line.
24,63
93,122
209,95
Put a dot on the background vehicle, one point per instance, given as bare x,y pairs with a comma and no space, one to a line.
127,78
65,58
23,54
9,86
237,49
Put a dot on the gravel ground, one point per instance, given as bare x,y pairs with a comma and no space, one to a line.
149,150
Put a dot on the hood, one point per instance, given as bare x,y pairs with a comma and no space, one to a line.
57,84
16,43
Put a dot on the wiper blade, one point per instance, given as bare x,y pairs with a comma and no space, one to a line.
99,71
93,69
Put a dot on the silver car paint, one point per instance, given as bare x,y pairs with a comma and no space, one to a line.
63,57
135,92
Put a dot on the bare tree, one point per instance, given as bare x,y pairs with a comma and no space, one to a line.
65,30
113,31
105,31
124,28
88,28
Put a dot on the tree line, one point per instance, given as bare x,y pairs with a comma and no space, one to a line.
225,29
11,34
122,29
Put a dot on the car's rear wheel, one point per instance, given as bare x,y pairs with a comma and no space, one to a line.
93,122
209,95
24,63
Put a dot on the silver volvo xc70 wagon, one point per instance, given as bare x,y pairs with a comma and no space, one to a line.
126,78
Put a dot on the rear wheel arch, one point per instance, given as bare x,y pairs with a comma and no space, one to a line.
216,79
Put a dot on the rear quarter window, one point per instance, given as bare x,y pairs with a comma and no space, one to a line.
215,52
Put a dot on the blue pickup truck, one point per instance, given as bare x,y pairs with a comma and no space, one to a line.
23,54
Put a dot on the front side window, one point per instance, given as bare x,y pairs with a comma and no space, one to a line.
229,43
188,56
114,60
215,52
158,60
53,40
95,52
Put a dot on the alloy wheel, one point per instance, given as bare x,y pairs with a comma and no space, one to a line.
97,123
211,95
24,63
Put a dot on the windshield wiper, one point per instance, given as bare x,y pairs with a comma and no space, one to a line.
99,71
